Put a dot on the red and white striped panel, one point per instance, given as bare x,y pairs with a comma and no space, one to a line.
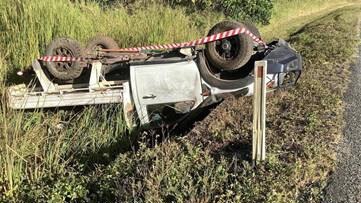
201,41
60,59
71,59
205,40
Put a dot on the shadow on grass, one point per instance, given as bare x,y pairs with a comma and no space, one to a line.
240,149
131,141
106,154
334,15
12,78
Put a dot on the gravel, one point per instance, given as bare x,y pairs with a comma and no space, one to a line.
345,184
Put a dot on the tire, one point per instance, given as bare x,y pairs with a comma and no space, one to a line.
101,42
238,53
210,78
64,72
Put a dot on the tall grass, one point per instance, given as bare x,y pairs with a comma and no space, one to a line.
35,144
30,25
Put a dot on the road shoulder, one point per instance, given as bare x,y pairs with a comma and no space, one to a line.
345,183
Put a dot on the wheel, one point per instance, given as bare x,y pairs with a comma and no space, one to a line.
230,53
101,43
222,79
64,72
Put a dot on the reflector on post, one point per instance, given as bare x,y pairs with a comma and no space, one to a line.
259,112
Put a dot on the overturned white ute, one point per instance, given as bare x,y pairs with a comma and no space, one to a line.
155,86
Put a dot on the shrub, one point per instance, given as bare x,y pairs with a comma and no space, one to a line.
254,10
258,11
66,187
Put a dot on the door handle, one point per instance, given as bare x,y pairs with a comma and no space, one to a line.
150,96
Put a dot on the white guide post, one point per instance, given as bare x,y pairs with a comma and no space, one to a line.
259,112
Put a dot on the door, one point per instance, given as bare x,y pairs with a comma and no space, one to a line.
163,84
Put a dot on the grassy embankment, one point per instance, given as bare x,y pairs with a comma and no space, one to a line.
209,164
303,123
289,16
47,155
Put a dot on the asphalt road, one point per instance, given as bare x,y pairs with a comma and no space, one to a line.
345,183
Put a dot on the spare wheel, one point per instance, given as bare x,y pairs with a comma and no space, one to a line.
231,53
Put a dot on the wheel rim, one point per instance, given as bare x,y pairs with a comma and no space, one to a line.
63,66
228,49
223,74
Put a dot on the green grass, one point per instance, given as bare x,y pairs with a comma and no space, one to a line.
290,15
75,155
38,22
303,123
210,164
